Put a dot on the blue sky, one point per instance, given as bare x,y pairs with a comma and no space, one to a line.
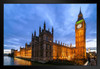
20,21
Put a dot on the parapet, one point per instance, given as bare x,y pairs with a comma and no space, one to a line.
62,44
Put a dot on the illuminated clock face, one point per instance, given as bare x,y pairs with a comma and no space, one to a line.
79,26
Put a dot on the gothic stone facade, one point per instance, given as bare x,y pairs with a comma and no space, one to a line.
42,47
24,52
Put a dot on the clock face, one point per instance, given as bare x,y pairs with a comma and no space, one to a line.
79,26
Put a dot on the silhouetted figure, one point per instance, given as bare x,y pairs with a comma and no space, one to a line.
89,59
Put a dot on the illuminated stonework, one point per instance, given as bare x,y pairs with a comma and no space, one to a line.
63,52
24,52
80,37
42,47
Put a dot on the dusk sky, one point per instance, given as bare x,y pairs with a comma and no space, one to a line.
21,20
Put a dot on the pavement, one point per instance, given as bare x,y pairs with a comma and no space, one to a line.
92,63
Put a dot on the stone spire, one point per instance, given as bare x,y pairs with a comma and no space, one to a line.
26,44
80,11
32,36
34,33
80,15
61,43
56,41
44,26
71,45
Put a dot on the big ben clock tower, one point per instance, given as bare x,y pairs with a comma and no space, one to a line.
80,34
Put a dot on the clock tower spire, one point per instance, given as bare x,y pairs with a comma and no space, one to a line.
80,34
80,16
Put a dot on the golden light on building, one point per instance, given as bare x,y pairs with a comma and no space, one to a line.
43,48
24,52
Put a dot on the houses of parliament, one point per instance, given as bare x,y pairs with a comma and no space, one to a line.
42,47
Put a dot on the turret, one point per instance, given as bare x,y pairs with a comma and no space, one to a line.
26,44
34,33
32,36
56,41
44,26
20,47
70,45
30,43
61,43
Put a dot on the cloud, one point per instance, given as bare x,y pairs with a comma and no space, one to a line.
7,51
13,41
50,20
20,20
11,45
14,46
91,43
